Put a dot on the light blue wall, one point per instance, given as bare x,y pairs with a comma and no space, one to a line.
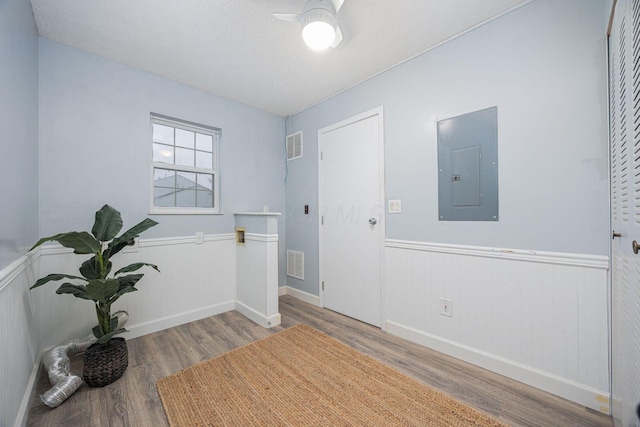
543,66
19,124
95,145
19,199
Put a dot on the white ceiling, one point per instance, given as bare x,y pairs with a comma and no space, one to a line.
238,50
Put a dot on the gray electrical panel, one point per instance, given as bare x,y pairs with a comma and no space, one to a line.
468,167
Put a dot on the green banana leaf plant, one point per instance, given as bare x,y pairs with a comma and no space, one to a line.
97,287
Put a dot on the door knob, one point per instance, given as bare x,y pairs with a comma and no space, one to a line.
373,221
635,246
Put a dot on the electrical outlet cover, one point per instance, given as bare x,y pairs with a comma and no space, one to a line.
446,307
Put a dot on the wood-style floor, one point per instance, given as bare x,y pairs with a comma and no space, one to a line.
133,400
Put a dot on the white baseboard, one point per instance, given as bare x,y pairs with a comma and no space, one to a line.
178,319
23,411
259,318
591,398
301,295
282,290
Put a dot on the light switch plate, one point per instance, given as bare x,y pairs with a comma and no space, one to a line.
199,238
395,206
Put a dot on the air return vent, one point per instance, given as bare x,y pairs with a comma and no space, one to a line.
294,146
295,264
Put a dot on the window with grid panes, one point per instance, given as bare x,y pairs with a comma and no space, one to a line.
184,167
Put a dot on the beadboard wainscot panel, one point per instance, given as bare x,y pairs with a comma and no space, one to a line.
196,281
537,317
257,279
19,344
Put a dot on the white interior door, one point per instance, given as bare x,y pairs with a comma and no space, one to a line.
352,216
624,77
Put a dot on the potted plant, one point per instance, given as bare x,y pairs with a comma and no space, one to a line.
107,359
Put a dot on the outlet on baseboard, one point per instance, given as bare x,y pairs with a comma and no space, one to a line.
446,307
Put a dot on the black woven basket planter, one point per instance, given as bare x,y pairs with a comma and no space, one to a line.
104,364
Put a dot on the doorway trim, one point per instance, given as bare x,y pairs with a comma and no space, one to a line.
378,111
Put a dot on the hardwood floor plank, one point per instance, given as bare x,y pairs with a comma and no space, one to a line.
134,400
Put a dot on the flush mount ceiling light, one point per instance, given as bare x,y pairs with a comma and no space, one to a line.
319,24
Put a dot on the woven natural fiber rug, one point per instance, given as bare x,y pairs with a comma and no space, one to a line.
302,377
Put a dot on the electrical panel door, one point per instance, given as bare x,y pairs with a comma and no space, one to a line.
468,167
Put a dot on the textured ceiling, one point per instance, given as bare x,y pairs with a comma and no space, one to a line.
238,50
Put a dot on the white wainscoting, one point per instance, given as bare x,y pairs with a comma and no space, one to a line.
19,345
195,281
257,279
538,317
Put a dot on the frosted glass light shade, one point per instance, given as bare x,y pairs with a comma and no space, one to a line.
318,35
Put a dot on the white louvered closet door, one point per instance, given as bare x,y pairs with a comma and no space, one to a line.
624,81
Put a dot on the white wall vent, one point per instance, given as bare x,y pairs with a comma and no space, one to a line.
294,146
295,264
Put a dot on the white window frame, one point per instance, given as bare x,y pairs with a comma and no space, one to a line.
216,133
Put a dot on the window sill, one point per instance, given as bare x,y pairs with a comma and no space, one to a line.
183,211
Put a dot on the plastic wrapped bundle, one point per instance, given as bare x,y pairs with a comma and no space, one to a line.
58,365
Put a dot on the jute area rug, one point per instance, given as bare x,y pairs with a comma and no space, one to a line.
302,377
